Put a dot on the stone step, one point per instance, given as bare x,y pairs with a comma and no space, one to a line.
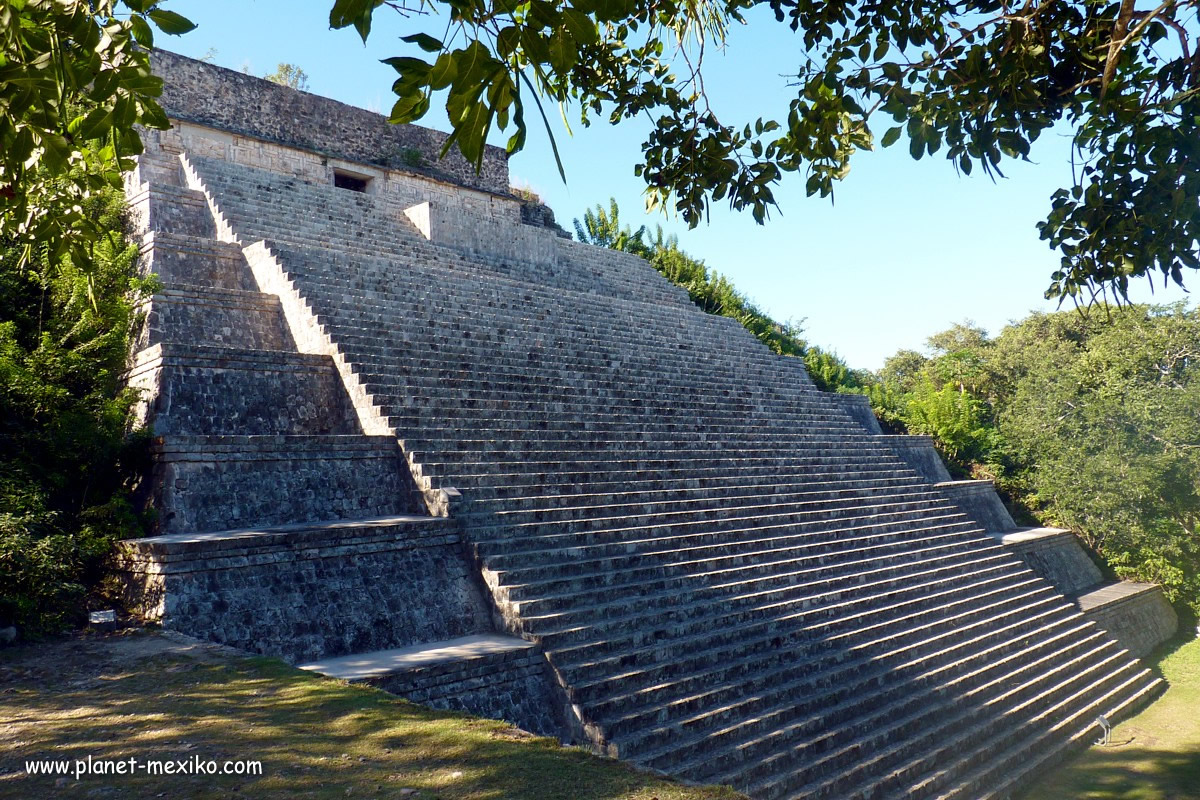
361,227
246,203
692,728
748,590
216,317
372,279
626,544
224,482
571,404
609,427
1114,674
637,655
595,477
1014,766
926,680
653,573
585,368
420,321
531,511
520,498
905,629
199,390
924,730
486,674
499,442
467,475
511,548
203,550
180,259
652,525
374,665
414,346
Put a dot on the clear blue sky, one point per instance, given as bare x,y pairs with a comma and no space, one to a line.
908,249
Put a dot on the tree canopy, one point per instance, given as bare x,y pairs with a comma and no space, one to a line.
289,75
1086,422
975,81
72,72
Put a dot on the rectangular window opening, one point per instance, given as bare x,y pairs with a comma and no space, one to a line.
344,180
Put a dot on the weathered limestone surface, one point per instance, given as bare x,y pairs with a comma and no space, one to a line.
307,592
500,677
259,393
1136,614
920,455
242,104
979,501
206,483
1056,555
261,422
514,687
180,260
224,318
859,409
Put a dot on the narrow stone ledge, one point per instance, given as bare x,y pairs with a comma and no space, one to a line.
364,666
178,552
1137,615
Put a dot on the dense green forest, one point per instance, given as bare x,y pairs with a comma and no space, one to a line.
1089,421
67,458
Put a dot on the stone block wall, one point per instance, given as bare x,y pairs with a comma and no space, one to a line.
859,409
1140,620
170,209
213,317
198,390
920,455
209,95
218,483
195,261
306,594
1060,559
513,686
979,501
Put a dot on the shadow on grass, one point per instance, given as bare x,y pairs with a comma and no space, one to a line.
1128,773
316,738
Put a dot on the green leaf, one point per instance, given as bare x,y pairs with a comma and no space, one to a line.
424,41
443,72
892,136
353,12
563,52
142,33
582,28
406,65
170,23
916,143
409,108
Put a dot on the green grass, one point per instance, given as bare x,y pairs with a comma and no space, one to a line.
1152,756
317,738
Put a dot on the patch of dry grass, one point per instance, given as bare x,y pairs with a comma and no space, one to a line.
147,698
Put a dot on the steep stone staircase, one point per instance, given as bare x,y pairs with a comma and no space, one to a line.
283,524
732,579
